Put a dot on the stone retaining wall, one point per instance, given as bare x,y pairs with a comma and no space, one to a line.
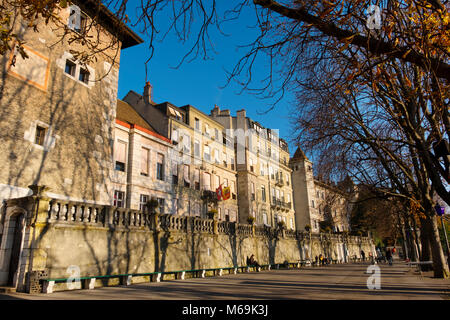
103,240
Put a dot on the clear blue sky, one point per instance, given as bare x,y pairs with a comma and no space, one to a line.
198,83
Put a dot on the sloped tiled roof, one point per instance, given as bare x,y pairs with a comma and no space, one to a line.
127,114
299,154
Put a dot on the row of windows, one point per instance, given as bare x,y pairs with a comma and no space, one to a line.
209,154
209,181
119,201
277,194
120,155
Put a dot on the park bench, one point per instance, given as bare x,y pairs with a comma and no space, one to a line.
88,282
417,264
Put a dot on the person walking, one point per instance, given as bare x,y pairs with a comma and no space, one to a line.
389,256
371,258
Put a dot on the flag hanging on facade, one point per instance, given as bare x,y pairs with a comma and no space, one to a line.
219,192
226,193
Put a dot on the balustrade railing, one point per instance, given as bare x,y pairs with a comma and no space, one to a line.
101,215
225,227
245,229
173,222
203,225
76,212
80,212
290,234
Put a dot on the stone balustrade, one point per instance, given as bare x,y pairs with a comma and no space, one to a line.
86,213
290,234
245,229
80,212
172,222
226,227
262,231
203,225
59,210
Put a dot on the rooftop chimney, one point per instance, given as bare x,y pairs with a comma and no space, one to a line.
148,93
241,113
215,111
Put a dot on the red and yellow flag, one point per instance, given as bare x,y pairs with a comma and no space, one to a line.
226,193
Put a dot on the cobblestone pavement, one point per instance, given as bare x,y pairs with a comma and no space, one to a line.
344,281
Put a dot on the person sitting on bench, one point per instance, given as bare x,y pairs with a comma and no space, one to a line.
251,262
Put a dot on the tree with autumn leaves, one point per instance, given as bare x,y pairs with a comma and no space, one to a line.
383,91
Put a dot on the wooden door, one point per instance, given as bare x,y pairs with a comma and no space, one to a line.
16,248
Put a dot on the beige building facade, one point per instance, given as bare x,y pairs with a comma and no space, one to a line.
57,114
142,163
317,203
57,120
263,175
202,158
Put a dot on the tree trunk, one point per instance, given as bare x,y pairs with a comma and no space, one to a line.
440,265
426,247
405,244
417,238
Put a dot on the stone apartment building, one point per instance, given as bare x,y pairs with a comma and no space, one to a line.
57,114
142,163
263,173
316,202
57,120
201,160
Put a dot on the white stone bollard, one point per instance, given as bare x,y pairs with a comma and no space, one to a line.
220,272
92,284
247,269
268,268
235,270
48,287
182,275
203,273
158,277
129,280
258,269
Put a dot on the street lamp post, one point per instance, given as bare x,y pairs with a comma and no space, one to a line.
440,212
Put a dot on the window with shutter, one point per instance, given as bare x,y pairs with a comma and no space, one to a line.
197,179
144,161
206,181
120,153
160,167
174,172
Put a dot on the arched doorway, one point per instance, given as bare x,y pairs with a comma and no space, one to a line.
16,226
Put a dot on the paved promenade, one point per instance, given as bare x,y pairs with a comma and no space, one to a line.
345,281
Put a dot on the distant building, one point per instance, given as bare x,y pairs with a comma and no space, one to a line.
202,158
263,174
317,203
141,163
